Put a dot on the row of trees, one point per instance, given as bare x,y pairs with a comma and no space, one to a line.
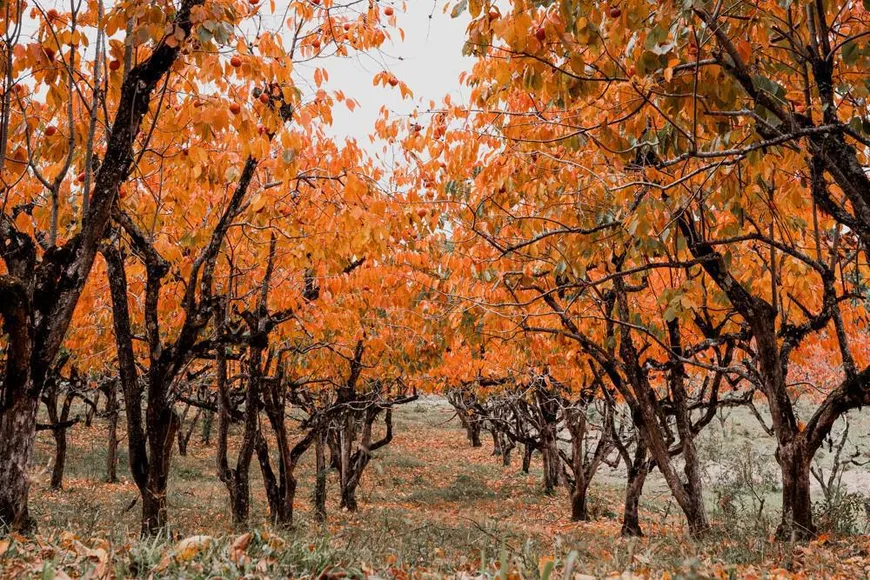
652,211
674,195
178,224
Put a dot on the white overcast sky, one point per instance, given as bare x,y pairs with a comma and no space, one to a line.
429,60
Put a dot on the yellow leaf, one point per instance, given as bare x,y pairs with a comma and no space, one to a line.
258,203
184,550
240,546
187,548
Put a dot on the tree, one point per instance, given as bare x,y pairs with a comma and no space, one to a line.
631,116
44,277
235,130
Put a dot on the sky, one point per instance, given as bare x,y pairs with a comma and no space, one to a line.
429,61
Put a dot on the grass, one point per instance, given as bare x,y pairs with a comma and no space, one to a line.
430,504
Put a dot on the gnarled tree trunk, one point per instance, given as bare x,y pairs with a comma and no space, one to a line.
17,433
797,507
637,468
528,450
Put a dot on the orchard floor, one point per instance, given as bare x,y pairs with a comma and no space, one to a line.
430,506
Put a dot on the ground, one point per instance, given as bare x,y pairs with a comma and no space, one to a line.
429,505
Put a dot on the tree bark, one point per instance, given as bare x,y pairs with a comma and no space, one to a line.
506,447
579,509
649,419
472,430
59,459
129,376
185,433
348,497
162,426
112,448
797,508
92,409
577,427
270,481
360,459
207,422
528,450
320,482
59,434
17,432
551,460
237,479
496,441
638,469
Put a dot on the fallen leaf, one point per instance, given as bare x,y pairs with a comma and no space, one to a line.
240,546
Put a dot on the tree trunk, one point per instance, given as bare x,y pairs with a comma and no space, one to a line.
506,447
237,479
182,443
129,380
207,422
357,463
184,435
112,451
528,450
154,513
162,425
240,498
637,472
496,441
17,432
648,413
797,508
59,425
270,482
285,515
473,432
346,438
320,481
579,509
59,457
348,496
576,421
92,410
551,459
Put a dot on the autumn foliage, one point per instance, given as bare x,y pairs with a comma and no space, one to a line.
643,215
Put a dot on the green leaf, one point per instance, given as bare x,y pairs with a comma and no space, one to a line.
48,572
851,52
548,569
203,34
460,7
